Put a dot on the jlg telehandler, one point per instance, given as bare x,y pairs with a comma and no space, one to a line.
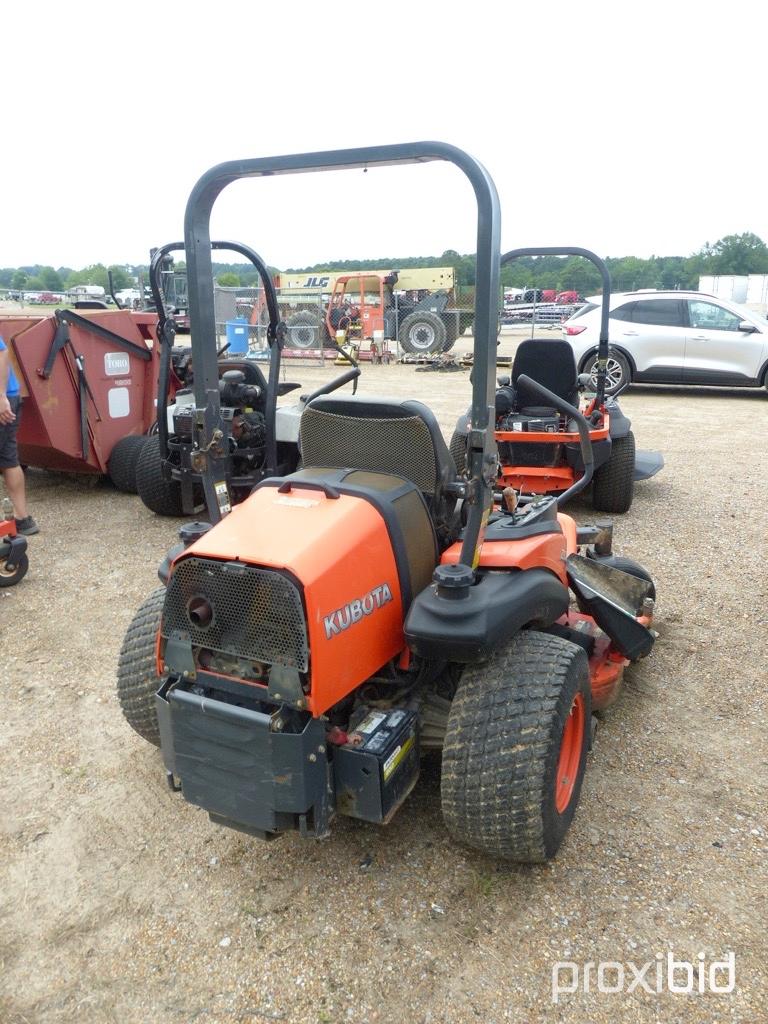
309,646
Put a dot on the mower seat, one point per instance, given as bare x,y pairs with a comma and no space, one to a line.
550,363
385,435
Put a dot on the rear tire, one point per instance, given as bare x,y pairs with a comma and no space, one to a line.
121,465
516,747
614,482
422,333
305,331
159,495
137,679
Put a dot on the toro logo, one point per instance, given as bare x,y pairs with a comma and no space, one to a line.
116,364
353,612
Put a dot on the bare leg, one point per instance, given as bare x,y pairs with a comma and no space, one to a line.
14,484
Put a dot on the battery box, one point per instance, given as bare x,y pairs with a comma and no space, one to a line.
379,765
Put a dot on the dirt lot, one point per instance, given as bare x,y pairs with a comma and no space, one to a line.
120,902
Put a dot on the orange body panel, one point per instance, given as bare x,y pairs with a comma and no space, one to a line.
339,550
544,479
537,479
547,551
544,437
352,288
606,664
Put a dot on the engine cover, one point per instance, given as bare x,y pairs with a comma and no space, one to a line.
291,551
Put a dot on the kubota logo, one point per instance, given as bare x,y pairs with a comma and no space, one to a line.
353,612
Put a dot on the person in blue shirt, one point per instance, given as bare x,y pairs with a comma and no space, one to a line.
13,475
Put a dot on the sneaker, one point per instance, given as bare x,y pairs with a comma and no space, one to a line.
27,526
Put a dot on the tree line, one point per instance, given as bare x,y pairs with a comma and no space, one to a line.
734,254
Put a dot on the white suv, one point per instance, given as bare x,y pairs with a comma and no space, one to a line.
673,338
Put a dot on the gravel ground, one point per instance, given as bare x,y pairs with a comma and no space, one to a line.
120,902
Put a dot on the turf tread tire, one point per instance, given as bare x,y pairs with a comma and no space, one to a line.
159,495
121,465
502,744
137,679
614,483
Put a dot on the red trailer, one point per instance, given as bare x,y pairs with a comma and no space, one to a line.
89,383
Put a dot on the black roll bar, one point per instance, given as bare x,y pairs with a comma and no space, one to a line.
602,344
197,243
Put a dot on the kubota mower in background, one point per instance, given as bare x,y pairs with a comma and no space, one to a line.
88,381
538,442
257,438
346,617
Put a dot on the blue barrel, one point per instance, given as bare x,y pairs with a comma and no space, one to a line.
237,335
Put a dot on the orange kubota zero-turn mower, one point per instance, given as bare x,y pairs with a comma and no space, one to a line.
312,643
539,444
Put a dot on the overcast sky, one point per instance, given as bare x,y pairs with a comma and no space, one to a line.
630,129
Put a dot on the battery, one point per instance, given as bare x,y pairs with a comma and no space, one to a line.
379,765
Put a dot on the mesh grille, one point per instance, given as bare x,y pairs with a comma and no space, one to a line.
400,445
257,613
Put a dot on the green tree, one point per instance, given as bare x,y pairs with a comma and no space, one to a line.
579,275
228,280
121,278
739,254
19,279
94,274
630,273
51,279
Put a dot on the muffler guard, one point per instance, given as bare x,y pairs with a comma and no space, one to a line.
231,762
614,599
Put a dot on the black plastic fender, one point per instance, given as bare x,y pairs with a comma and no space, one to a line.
470,627
619,425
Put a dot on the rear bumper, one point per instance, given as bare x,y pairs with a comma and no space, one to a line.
234,763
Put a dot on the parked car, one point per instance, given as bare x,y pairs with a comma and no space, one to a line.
673,337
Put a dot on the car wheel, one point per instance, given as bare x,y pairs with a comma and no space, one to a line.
618,371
